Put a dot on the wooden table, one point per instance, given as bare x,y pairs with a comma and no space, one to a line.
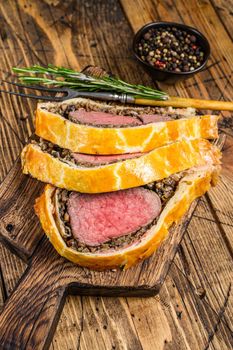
194,307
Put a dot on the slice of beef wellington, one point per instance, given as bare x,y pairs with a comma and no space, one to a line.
92,127
53,167
118,229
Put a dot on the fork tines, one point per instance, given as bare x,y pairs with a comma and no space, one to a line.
32,87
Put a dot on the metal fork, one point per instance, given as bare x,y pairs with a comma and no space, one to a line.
67,94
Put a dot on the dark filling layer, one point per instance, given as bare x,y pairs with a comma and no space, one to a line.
164,188
66,110
66,155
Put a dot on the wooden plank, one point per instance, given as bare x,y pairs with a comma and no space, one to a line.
12,108
208,271
97,43
10,147
107,324
57,32
85,322
172,320
169,323
223,10
82,316
221,198
227,156
16,207
130,74
2,290
216,207
12,269
200,315
172,311
36,39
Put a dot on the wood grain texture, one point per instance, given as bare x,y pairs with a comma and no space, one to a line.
16,203
55,277
208,281
8,151
98,33
223,10
11,272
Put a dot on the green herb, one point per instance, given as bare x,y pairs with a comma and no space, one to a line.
59,76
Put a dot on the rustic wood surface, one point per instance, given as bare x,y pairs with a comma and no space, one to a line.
194,307
42,289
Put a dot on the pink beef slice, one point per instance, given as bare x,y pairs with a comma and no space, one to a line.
102,118
98,218
103,159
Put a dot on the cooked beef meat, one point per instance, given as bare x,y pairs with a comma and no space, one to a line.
96,219
165,190
102,119
89,159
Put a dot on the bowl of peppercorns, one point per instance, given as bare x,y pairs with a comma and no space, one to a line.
170,51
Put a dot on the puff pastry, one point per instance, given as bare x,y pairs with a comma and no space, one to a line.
117,140
194,184
155,165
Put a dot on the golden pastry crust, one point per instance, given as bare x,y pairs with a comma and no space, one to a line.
152,166
194,184
97,140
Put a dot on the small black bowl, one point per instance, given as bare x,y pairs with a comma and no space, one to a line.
165,75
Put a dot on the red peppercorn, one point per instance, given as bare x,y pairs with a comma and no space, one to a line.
158,63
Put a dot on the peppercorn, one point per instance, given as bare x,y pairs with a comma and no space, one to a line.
193,38
147,36
171,49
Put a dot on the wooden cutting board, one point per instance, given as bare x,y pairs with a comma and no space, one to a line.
29,317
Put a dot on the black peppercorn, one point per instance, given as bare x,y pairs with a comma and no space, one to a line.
193,38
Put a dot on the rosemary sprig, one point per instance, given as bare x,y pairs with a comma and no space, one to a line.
60,76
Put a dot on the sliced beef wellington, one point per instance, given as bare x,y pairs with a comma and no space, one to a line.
91,127
59,167
118,229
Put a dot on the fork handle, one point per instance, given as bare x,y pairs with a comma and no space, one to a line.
106,96
188,102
